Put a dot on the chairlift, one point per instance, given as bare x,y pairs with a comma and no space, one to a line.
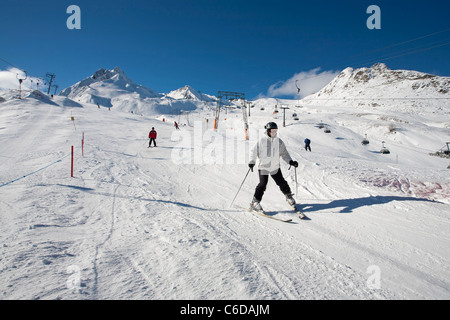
444,152
21,79
276,108
365,142
447,152
384,150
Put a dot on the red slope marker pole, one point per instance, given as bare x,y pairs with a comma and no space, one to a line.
82,146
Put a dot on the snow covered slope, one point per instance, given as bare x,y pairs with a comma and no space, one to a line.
381,88
156,223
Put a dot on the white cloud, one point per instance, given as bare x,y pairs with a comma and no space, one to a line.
309,82
9,79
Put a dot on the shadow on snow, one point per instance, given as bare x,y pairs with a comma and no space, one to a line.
348,205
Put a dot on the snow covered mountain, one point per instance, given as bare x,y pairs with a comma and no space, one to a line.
187,92
380,87
112,88
111,83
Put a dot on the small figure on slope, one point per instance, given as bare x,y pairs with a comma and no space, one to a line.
152,135
268,151
307,144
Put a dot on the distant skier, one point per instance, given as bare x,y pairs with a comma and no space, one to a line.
176,126
268,150
152,135
307,144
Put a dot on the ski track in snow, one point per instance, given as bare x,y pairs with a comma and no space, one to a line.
138,226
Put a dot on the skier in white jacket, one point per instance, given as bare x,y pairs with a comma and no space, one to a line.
268,151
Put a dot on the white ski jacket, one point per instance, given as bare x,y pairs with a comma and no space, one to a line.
268,151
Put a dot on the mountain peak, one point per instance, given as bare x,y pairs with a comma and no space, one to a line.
103,74
380,67
107,84
189,93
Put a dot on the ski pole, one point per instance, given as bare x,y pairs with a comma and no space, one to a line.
296,184
240,187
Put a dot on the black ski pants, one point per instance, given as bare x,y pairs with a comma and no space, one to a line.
150,143
264,179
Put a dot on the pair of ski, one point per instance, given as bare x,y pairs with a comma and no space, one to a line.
299,213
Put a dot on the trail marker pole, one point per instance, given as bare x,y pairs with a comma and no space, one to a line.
71,166
82,146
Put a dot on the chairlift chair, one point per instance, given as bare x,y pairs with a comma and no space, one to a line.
365,141
384,150
447,152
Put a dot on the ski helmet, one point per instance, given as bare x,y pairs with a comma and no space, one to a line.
271,125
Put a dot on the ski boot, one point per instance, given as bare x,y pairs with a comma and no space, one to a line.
255,205
290,199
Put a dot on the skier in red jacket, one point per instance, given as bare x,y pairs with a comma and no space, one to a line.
152,136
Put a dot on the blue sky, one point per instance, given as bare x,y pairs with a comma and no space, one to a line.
255,47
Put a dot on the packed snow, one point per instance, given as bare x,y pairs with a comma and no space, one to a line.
156,223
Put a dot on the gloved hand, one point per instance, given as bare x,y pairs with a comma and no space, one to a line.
251,165
293,163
